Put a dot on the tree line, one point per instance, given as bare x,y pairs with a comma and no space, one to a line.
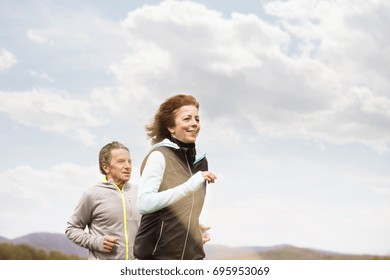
24,252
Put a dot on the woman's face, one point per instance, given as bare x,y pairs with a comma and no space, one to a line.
187,125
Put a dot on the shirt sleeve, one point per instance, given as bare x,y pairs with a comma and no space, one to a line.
149,198
77,223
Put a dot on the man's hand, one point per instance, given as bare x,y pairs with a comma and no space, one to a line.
109,243
205,234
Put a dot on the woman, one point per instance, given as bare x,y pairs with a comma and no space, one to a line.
173,185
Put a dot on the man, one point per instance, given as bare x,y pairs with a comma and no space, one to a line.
108,209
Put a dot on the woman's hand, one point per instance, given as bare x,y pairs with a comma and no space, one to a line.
209,177
204,231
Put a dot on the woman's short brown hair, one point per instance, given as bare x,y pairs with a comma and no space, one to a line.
165,116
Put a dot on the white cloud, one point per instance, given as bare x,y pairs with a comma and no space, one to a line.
41,76
41,200
35,36
297,78
329,206
349,36
51,110
7,60
322,224
92,39
381,190
317,71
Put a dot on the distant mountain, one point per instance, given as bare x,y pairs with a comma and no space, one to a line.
60,243
281,252
49,242
4,240
218,252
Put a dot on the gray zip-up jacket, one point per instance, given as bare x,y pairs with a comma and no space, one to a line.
106,210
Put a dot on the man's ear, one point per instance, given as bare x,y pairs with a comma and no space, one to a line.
105,168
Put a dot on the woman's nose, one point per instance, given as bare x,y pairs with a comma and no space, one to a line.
194,122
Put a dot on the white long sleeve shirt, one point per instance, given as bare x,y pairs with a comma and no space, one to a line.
149,198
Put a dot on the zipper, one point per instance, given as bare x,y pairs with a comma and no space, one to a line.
124,221
190,216
159,237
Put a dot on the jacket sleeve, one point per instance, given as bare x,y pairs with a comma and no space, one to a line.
149,198
77,223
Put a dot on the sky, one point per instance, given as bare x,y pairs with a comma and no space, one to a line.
294,106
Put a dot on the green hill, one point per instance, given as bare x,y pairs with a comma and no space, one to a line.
23,252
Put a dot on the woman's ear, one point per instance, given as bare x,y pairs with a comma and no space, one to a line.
171,130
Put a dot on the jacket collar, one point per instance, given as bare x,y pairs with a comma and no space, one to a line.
168,143
111,183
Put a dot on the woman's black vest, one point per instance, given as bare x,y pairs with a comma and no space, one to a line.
173,232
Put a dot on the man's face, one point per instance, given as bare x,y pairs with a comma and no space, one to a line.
119,168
